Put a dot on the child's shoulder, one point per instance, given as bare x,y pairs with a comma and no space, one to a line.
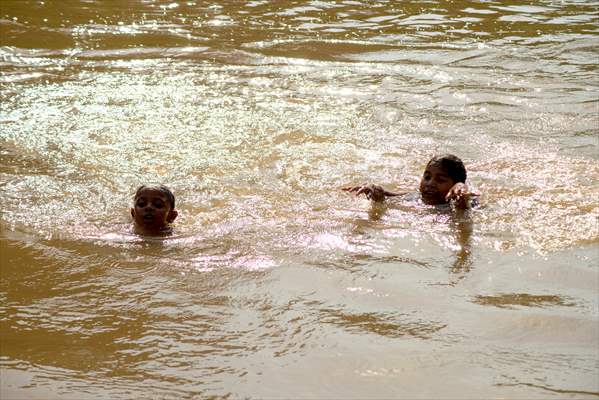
405,198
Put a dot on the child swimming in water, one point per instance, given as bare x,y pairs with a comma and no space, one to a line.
443,182
153,209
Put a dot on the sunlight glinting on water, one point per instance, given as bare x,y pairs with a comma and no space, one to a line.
198,151
256,114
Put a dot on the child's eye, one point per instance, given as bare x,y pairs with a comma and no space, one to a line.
141,203
158,204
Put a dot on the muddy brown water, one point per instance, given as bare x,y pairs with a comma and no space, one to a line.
275,283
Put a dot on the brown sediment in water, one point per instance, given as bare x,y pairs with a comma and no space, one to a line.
274,282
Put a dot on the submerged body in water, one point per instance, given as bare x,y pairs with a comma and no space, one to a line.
443,182
274,283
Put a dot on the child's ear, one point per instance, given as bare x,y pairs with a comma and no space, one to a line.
171,216
133,213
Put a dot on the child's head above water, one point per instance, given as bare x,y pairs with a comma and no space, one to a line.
443,181
440,175
153,208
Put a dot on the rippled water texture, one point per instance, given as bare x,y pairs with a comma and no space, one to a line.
275,283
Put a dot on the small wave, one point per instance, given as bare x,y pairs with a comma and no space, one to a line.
511,300
141,52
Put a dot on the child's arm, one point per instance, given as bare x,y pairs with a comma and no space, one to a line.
372,192
460,195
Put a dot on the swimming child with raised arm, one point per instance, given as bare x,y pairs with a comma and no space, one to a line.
153,209
443,182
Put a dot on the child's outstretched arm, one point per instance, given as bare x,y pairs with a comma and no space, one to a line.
460,195
371,191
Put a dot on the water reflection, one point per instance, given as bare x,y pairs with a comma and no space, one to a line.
462,226
510,300
382,324
452,229
255,113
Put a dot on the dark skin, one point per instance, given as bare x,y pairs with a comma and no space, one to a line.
152,211
436,187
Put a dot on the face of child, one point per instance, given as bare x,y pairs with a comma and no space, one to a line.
152,210
434,185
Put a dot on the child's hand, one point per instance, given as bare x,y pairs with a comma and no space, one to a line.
372,192
460,194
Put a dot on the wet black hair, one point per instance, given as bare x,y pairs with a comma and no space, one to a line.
161,188
452,165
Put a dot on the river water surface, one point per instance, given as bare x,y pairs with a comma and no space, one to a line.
275,283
